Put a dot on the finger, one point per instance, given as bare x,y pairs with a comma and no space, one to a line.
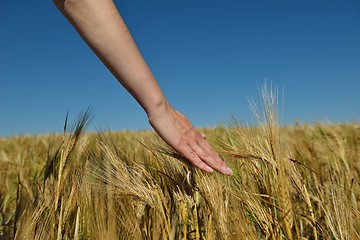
211,159
209,155
197,134
191,155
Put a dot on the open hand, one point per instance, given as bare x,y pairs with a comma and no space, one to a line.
177,131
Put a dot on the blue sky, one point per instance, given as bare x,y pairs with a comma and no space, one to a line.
209,57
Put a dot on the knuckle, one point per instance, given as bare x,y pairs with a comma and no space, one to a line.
193,155
180,142
203,154
185,128
191,134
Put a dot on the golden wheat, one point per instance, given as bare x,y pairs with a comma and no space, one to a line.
294,182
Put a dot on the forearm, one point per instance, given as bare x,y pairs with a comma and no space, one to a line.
101,26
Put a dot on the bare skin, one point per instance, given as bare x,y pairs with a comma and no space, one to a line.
100,25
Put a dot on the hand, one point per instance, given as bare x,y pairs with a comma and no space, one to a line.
177,131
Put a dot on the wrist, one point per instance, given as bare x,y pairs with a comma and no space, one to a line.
157,108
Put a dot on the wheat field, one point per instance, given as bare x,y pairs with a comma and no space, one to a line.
290,182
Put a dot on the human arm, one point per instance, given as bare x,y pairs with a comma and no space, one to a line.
102,28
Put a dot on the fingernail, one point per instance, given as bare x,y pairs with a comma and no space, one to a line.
209,169
228,171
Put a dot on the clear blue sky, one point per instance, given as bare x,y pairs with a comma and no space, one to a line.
208,56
